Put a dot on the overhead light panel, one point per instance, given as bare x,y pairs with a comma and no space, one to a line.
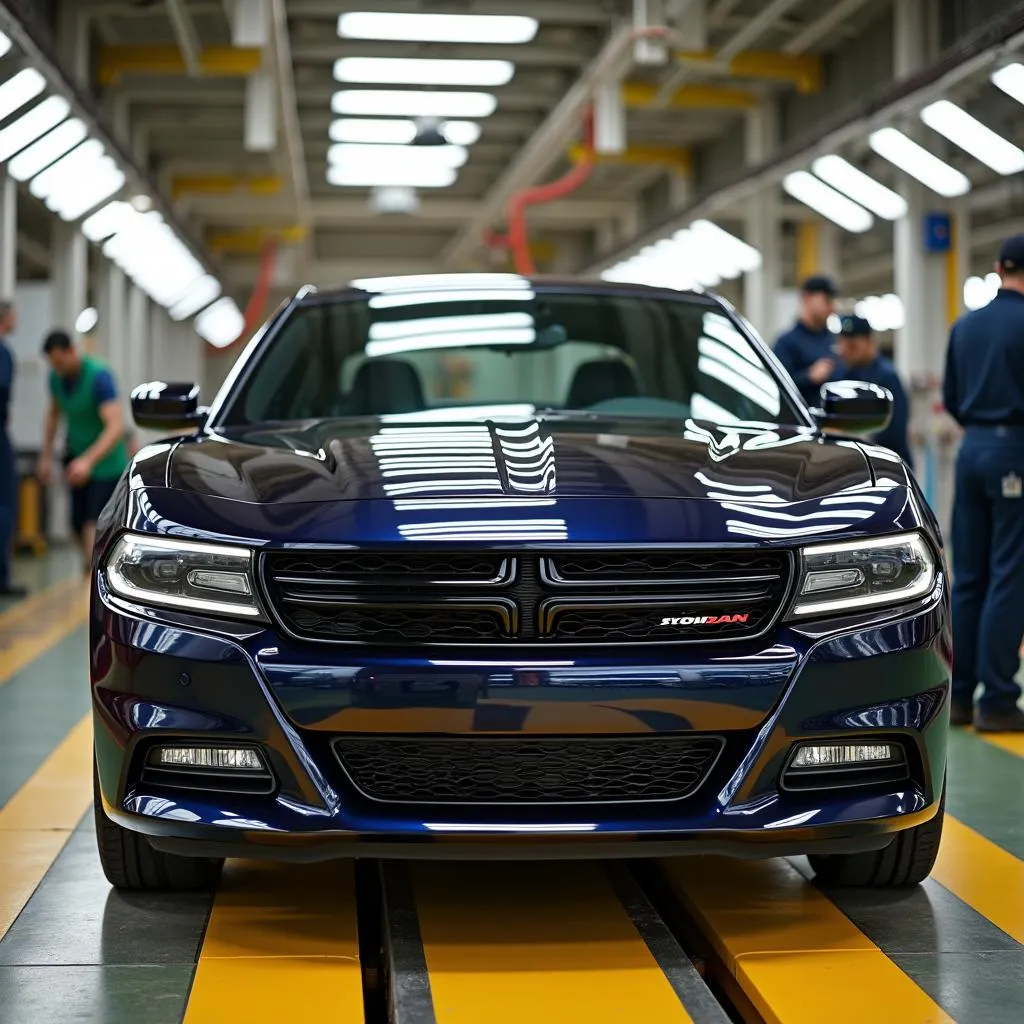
423,71
51,147
1011,80
394,176
221,324
78,181
860,187
915,160
833,205
367,156
730,255
412,103
5,44
29,127
437,28
971,135
396,131
17,91
199,295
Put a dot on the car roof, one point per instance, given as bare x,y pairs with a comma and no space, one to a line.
488,282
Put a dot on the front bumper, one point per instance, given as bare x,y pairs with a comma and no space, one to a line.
182,678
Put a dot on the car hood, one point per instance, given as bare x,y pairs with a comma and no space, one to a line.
542,458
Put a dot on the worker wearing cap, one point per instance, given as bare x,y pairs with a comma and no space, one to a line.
807,349
861,360
984,393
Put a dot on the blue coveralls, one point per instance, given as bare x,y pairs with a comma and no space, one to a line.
883,373
984,392
797,349
8,479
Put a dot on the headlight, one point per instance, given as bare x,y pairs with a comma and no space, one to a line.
183,574
864,573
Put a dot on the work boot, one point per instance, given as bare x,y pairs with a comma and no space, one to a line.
1010,720
961,712
10,590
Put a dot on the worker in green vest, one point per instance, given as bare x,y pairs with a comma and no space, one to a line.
84,395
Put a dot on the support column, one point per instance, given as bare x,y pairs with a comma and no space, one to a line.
70,274
138,342
829,254
8,236
761,287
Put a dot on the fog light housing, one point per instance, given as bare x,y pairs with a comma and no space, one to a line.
829,755
215,758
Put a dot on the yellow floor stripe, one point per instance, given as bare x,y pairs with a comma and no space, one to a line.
536,942
38,623
281,945
1012,742
795,955
39,819
983,875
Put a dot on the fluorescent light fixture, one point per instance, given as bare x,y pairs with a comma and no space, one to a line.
107,221
396,131
86,321
423,71
437,28
221,324
367,157
17,91
883,312
833,205
971,135
915,160
860,187
412,103
5,44
725,249
980,291
78,181
1011,80
29,127
199,295
52,146
433,176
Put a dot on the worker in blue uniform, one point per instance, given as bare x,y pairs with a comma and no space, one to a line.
984,393
8,474
807,350
860,360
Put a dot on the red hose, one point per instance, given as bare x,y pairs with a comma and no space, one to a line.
518,238
256,308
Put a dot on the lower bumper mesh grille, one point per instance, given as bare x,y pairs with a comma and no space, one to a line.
513,770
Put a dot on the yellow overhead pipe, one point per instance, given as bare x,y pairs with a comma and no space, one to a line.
252,240
803,70
224,184
223,61
689,97
673,156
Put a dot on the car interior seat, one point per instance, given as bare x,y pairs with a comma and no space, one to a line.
386,386
601,380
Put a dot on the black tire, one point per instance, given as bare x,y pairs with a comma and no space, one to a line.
132,865
905,862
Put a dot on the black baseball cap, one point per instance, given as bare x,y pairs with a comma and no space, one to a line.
851,326
820,283
1011,255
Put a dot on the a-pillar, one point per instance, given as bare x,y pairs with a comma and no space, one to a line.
763,228
70,275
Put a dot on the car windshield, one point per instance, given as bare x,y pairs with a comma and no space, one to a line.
510,351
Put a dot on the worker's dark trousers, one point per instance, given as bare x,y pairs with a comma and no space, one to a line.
988,566
8,506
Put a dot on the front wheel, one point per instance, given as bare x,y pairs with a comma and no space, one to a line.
905,862
131,864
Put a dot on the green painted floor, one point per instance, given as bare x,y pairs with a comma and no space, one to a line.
77,951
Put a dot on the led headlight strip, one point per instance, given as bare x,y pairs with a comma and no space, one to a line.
863,574
183,574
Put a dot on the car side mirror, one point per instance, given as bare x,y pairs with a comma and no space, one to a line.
162,406
854,407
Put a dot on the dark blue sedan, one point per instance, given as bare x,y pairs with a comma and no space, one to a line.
479,567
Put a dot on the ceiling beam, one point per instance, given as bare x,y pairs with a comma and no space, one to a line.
817,30
562,12
185,33
320,50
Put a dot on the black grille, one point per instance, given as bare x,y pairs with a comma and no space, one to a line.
512,770
576,596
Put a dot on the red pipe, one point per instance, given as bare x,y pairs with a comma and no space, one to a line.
254,311
518,238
